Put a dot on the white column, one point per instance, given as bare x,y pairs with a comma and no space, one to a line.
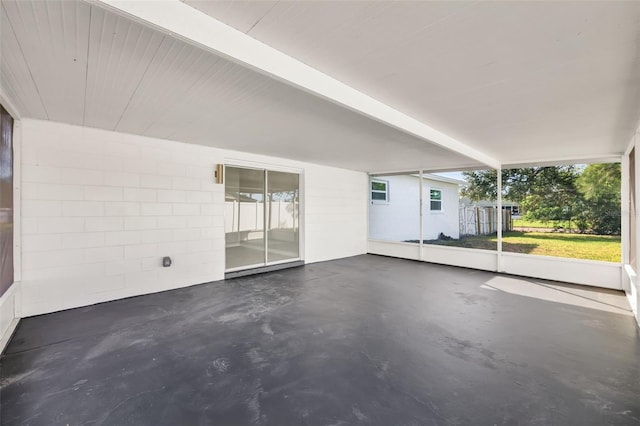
634,293
499,221
421,213
636,237
17,218
625,208
17,201
265,217
368,209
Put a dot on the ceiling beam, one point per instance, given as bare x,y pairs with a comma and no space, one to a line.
548,162
184,22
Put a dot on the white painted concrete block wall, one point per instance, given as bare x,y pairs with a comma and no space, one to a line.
335,213
100,209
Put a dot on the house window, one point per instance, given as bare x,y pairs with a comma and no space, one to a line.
435,198
379,191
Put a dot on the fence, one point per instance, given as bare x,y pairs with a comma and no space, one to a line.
249,216
476,220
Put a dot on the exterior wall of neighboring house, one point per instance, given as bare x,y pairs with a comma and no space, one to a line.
446,220
398,217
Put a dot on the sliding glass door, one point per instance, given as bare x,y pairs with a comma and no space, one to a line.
283,241
244,217
261,217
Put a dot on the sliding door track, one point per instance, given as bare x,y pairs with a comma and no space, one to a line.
262,269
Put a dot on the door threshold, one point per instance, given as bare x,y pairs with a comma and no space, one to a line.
262,269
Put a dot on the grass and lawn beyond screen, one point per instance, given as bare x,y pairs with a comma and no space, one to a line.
575,246
549,224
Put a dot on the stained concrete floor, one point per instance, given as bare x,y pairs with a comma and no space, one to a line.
364,340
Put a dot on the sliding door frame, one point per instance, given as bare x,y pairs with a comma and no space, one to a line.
265,168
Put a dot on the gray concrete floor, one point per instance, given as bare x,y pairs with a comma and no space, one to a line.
364,340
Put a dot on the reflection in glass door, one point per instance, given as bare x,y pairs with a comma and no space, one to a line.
282,216
255,200
244,217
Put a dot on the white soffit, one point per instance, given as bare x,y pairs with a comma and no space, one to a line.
522,81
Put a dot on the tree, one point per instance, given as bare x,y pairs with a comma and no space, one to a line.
544,193
589,195
551,194
599,186
481,185
517,184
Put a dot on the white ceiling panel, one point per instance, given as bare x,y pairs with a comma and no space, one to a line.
53,37
15,78
283,121
181,21
188,94
119,55
94,67
172,74
242,15
519,80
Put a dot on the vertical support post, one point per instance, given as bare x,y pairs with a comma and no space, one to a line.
625,207
420,215
265,218
499,217
239,217
369,202
17,206
635,237
300,214
625,225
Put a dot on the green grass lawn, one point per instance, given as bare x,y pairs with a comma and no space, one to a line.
525,223
576,246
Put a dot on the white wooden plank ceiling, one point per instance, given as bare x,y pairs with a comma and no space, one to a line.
519,81
74,62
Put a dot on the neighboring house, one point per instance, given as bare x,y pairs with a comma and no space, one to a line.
394,211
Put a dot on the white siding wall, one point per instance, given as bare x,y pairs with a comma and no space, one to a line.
399,219
447,221
100,209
